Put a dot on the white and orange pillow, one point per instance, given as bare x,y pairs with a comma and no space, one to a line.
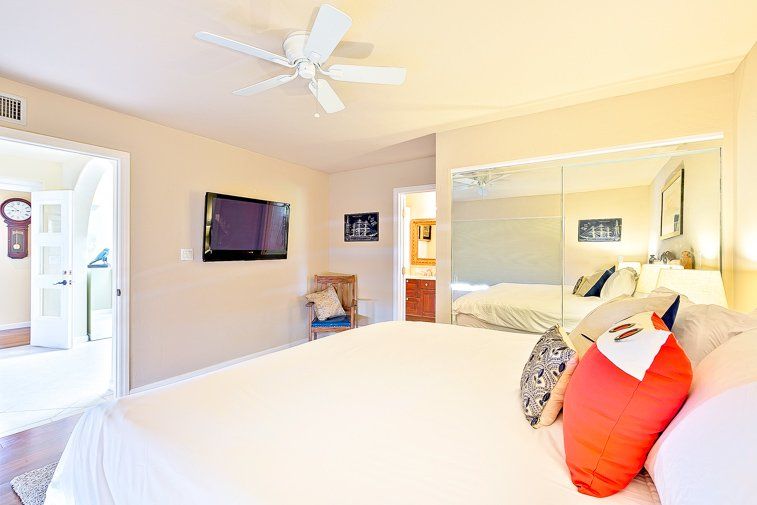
624,392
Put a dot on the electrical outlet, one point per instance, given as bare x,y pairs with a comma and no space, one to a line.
186,254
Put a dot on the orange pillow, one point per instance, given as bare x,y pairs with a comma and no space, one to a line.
624,392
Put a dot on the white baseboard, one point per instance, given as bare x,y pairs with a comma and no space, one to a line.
217,366
15,326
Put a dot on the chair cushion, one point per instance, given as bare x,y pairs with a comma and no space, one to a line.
334,322
327,303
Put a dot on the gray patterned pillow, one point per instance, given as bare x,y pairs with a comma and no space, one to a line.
327,304
545,377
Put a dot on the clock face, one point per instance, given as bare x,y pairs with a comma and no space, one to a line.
17,210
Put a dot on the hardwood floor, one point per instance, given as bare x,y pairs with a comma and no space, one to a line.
31,449
13,338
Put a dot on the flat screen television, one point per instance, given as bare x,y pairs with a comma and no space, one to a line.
244,229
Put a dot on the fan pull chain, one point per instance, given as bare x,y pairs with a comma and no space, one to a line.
317,113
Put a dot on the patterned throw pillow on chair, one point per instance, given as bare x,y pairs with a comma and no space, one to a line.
545,377
327,304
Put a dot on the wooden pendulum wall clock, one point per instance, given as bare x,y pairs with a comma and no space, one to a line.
17,214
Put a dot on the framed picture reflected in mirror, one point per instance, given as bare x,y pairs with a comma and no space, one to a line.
671,205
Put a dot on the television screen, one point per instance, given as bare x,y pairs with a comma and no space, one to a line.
238,228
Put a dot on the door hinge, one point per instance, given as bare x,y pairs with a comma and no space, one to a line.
118,292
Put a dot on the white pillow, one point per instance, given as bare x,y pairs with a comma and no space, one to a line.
620,283
700,329
708,453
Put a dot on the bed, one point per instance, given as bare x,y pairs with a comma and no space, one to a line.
392,413
532,308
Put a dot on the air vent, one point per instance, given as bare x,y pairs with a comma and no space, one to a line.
12,109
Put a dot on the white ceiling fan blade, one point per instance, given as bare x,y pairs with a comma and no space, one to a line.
264,85
326,96
328,29
242,48
371,75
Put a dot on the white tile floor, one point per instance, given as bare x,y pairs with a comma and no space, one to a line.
39,385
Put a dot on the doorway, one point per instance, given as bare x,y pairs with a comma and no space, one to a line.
415,253
63,326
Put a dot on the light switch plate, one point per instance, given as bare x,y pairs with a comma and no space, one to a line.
186,254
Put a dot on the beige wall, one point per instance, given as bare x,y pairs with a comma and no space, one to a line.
630,204
698,107
746,183
188,315
15,274
581,258
48,174
701,210
370,190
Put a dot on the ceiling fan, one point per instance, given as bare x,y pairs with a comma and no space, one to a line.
306,53
482,182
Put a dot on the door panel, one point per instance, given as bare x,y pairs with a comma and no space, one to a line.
51,265
428,304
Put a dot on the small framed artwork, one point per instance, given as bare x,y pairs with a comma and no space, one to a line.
424,232
671,206
361,227
600,230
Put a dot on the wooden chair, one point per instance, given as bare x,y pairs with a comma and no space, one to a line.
346,288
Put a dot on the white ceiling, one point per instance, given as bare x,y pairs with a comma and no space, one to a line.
593,172
467,62
549,180
39,153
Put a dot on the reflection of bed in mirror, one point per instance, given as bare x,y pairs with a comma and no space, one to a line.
523,234
532,308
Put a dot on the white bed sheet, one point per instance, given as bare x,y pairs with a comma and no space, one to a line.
393,413
526,307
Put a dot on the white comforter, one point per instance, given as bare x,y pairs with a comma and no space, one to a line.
390,414
526,307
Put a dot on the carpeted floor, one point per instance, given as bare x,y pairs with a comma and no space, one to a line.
32,486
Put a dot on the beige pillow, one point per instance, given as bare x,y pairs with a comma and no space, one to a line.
588,282
620,283
545,377
579,283
601,318
699,329
327,304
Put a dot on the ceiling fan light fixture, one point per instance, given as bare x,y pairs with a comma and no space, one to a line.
306,52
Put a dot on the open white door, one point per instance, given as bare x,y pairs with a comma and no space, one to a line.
51,264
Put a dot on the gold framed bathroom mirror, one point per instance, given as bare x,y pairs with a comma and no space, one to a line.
423,242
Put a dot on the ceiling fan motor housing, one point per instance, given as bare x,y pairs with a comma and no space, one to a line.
294,49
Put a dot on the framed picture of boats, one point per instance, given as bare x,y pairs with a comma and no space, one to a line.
600,230
361,227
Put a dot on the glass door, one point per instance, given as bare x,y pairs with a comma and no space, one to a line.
51,264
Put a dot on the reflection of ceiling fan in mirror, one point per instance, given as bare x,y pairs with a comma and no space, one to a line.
306,52
481,182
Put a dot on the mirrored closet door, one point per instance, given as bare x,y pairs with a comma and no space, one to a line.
507,247
533,244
